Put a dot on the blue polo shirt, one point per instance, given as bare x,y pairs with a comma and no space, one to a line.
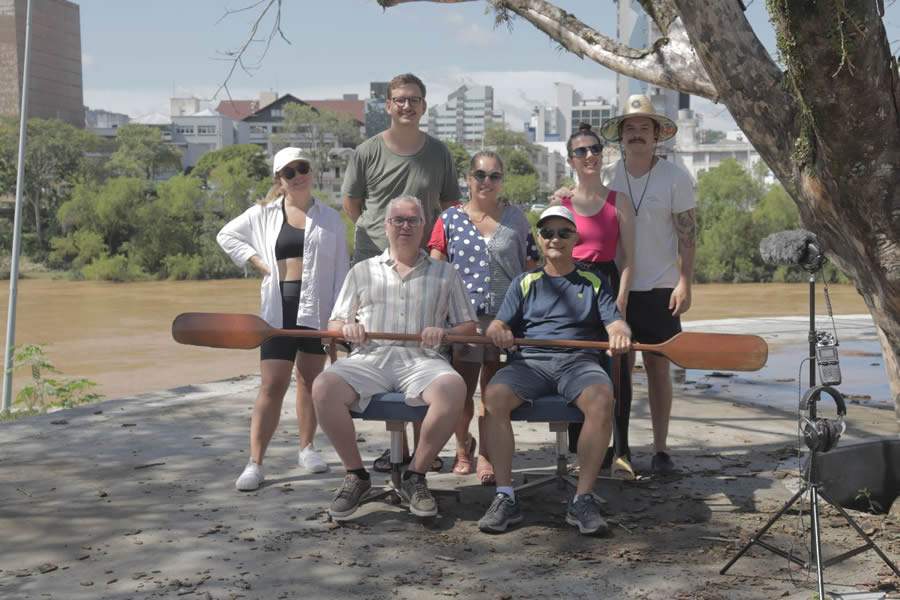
575,306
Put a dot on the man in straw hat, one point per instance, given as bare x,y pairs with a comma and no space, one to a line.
663,198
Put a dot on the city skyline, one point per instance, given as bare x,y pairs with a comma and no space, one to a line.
135,59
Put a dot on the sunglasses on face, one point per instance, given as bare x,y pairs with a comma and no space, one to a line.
411,100
563,233
494,176
582,152
300,169
404,221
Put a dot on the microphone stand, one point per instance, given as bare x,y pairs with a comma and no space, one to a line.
809,482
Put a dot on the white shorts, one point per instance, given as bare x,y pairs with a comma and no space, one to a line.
386,370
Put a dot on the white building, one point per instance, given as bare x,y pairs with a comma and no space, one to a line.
104,123
557,123
199,133
464,116
697,158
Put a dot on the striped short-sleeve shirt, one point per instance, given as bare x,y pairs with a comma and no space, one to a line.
430,295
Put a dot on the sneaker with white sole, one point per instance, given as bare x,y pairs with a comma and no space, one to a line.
251,478
310,459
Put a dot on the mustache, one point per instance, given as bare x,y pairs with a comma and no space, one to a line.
637,139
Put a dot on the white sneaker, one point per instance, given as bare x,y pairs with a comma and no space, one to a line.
310,459
251,478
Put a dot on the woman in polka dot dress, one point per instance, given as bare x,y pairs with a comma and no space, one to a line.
605,222
488,241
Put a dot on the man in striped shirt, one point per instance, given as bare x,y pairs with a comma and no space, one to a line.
400,291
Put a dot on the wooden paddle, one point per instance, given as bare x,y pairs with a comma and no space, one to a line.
689,350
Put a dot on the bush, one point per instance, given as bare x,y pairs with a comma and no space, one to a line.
113,268
183,266
42,392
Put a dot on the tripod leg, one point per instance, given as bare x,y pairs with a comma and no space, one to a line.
862,534
762,531
816,548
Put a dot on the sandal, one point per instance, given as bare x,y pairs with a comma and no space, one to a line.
622,469
382,464
485,472
464,464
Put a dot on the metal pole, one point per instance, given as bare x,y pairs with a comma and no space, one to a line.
17,224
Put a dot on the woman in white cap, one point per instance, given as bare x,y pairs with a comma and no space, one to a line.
299,247
605,222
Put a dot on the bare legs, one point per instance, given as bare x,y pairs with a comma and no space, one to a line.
276,377
596,402
659,386
469,372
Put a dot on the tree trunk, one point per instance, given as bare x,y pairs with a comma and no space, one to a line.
829,129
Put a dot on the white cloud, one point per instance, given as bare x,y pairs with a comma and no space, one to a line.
87,60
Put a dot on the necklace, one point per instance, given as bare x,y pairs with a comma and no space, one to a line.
484,215
637,207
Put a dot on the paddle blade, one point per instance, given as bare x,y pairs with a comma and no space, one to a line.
220,330
719,351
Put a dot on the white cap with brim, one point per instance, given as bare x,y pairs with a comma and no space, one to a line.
557,211
286,156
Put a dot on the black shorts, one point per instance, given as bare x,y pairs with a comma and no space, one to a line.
649,316
286,348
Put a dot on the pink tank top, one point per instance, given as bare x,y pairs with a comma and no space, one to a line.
599,233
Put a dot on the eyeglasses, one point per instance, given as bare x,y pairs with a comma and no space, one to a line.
563,233
582,152
494,176
411,100
300,169
404,221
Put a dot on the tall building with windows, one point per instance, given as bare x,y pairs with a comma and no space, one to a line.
376,117
463,118
557,123
55,82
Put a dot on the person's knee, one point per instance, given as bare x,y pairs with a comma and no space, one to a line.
274,388
324,389
449,390
596,402
500,400
655,364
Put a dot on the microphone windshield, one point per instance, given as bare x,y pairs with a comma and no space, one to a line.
790,247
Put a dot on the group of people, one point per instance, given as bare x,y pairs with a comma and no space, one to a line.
616,259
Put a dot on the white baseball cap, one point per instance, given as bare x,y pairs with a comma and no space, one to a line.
557,211
286,156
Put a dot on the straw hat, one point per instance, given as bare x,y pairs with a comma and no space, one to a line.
638,106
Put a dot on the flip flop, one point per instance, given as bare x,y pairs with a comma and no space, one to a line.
382,464
485,472
621,469
465,464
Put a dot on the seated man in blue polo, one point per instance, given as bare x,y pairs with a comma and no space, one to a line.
556,301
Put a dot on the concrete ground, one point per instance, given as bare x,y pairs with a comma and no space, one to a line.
134,498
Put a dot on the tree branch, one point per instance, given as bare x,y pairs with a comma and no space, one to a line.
670,63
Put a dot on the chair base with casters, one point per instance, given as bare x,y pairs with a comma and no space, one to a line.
391,408
554,411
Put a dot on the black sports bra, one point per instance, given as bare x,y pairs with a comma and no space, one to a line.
289,243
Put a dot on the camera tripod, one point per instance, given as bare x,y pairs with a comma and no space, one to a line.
810,483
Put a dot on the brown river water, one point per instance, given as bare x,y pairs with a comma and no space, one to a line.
119,335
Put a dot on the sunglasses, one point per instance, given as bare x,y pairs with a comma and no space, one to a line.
564,233
404,221
494,176
301,169
582,152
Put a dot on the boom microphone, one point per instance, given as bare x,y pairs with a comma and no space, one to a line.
793,247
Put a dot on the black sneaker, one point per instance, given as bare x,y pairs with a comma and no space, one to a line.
348,496
414,490
584,514
503,512
661,464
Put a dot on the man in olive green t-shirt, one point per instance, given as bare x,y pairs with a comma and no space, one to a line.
399,161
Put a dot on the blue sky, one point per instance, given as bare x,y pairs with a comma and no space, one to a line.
137,54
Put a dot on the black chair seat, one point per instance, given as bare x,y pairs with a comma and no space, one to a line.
390,407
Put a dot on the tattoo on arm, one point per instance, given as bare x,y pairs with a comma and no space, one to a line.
686,226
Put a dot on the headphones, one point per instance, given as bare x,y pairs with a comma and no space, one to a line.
822,435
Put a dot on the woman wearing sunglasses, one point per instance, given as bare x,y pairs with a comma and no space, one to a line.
299,247
488,241
605,222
